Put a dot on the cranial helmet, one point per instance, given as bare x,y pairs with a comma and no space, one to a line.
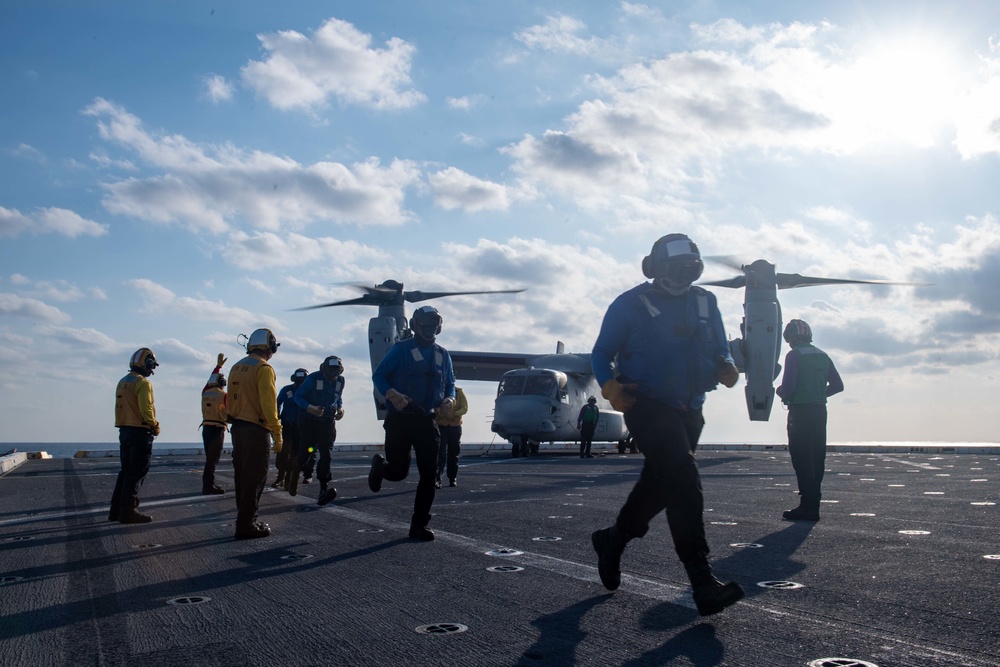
592,399
299,375
143,361
673,263
797,331
332,367
217,380
426,322
262,339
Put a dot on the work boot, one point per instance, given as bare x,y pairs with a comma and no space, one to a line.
256,529
307,479
131,516
114,515
452,482
609,543
801,513
422,533
437,481
326,495
278,483
375,474
213,490
711,595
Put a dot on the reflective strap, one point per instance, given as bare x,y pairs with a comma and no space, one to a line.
703,307
415,351
438,359
653,310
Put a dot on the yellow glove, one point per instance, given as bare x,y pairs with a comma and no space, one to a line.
156,429
621,396
340,414
447,405
398,400
728,373
277,442
220,360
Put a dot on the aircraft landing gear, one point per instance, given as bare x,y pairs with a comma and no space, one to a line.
515,448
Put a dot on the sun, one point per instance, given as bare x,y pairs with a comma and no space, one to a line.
902,90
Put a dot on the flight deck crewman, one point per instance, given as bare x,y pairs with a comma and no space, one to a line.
320,408
135,418
213,426
253,411
417,380
450,426
586,422
671,348
809,378
288,413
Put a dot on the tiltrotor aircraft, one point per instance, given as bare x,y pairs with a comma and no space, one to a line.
756,351
539,397
391,323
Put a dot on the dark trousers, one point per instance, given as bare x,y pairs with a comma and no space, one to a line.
403,432
213,438
316,437
667,438
451,447
586,437
135,450
251,459
290,450
807,447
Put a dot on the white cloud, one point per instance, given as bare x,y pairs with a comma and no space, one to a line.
26,151
300,72
217,89
48,220
453,188
213,188
561,34
33,309
465,103
161,301
264,250
469,140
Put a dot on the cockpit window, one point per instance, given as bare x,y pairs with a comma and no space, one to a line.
511,384
540,385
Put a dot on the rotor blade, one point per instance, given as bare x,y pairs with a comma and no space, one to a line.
790,280
360,301
732,261
737,281
415,296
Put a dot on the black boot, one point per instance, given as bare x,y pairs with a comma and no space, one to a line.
375,473
326,494
609,543
711,595
808,510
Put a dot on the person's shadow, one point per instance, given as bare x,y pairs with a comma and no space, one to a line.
698,643
560,634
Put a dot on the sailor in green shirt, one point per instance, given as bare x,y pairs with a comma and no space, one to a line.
810,377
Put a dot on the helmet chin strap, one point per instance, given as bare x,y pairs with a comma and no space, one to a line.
662,284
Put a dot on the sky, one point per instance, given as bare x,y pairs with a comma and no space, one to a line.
174,174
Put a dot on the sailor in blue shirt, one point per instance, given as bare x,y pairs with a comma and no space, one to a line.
418,382
287,460
661,347
320,407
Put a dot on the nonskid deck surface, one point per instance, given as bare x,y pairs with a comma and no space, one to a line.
902,569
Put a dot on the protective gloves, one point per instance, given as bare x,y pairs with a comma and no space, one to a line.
220,360
315,410
728,373
447,405
339,415
398,400
276,436
155,429
621,396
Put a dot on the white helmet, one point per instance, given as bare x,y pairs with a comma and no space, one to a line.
262,339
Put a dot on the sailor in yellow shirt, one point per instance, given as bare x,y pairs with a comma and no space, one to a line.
252,405
135,417
450,425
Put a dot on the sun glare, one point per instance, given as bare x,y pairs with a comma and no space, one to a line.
903,91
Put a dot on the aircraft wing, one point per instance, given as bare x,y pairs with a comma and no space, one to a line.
489,366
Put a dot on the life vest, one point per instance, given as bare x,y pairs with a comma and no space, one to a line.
703,364
591,413
244,398
213,407
811,380
127,411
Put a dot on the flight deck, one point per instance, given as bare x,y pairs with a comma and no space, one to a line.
902,570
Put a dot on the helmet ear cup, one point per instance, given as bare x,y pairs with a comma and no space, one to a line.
647,266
